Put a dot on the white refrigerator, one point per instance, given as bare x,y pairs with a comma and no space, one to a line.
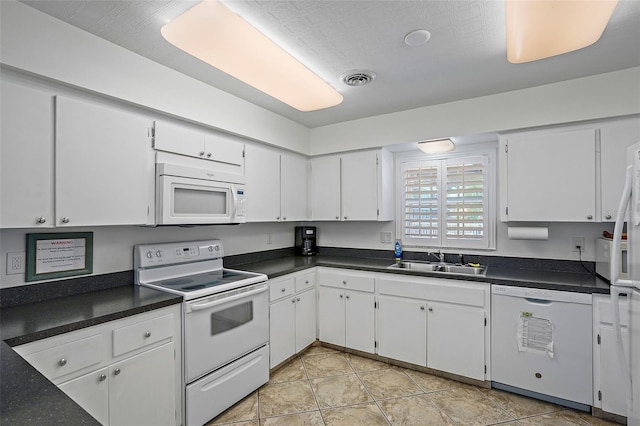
629,208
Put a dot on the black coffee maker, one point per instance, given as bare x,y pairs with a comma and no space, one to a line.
306,241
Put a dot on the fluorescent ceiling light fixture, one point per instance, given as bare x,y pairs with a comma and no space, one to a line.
214,34
436,146
538,29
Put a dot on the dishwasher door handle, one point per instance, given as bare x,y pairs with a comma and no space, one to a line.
538,301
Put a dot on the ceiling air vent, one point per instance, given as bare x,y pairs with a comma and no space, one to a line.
357,78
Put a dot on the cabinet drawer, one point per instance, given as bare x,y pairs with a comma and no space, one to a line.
68,358
281,288
139,335
305,281
348,280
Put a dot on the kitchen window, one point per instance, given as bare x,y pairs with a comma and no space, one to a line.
447,202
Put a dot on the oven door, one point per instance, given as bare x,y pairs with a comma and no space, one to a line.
184,200
220,328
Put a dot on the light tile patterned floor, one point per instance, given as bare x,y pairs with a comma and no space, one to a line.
326,387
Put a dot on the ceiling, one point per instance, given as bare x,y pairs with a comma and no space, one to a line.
465,57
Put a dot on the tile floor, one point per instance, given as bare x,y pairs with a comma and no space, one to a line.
326,387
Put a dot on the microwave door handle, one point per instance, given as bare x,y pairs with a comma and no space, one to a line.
207,305
234,196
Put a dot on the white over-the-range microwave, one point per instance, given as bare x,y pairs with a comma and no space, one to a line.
187,195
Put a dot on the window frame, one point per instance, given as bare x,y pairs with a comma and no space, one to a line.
487,150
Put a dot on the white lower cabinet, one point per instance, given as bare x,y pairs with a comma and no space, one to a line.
292,315
346,309
441,324
608,383
402,329
123,372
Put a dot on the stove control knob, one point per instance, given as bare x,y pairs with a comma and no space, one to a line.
159,253
149,254
210,248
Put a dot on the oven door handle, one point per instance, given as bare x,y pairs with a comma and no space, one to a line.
207,305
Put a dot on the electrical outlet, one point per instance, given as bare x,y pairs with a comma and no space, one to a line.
15,263
385,237
577,242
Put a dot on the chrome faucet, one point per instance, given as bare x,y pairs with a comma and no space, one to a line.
439,255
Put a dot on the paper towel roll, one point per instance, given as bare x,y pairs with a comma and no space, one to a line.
528,232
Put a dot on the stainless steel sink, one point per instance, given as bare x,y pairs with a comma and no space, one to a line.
440,268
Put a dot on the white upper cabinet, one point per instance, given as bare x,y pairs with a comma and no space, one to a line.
276,185
548,176
614,140
104,165
294,187
566,174
193,142
26,163
352,186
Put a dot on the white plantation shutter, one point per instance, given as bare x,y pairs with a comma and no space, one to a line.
422,201
445,202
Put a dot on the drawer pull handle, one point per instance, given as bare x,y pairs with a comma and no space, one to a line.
102,377
283,290
62,362
147,334
116,371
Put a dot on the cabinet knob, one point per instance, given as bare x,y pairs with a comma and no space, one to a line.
62,362
306,281
65,220
41,220
102,377
208,155
147,334
345,218
608,216
283,290
589,216
337,217
430,309
341,296
347,296
344,282
277,217
422,308
201,153
116,371
298,299
293,300
284,218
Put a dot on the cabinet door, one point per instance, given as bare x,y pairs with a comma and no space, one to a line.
142,389
282,332
305,319
91,392
614,141
360,329
26,163
455,339
402,329
359,186
178,139
263,184
331,315
104,166
224,148
551,177
293,187
325,188
609,376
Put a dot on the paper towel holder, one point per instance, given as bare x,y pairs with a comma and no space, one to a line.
528,231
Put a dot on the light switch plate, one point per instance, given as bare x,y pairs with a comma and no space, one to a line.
385,237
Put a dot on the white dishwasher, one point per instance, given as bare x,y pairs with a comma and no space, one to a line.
542,344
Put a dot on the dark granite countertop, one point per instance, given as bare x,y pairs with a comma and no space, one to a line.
504,274
26,396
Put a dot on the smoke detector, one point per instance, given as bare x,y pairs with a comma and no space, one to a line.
357,78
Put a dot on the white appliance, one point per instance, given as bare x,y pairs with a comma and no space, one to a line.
604,250
630,207
225,322
188,195
541,344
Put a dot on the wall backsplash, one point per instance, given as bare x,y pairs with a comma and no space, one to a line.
113,246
